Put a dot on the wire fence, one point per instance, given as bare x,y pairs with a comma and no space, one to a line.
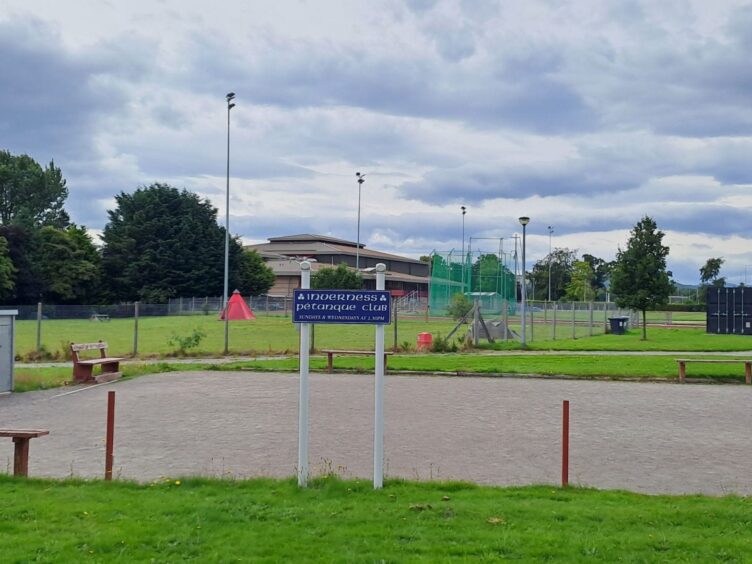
158,329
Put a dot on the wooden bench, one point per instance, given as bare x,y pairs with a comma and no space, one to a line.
21,438
83,369
331,352
747,366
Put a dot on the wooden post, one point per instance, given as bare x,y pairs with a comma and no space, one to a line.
565,445
682,371
21,456
109,457
748,372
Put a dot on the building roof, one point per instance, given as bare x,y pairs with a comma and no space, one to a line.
314,245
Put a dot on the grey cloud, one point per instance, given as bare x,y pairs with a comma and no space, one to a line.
302,74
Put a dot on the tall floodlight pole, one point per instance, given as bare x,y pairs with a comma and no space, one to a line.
523,221
464,211
550,232
230,105
361,179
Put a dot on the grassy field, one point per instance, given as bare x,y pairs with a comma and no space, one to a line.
346,521
265,335
274,335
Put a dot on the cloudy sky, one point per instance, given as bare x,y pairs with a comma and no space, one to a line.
584,115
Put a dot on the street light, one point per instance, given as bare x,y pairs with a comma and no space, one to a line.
230,105
361,179
523,221
464,211
550,232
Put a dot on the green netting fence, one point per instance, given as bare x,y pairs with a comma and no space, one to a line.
476,274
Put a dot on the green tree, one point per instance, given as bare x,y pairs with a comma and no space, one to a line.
23,244
639,278
69,265
29,194
7,271
601,273
562,265
710,271
161,242
251,275
580,287
340,278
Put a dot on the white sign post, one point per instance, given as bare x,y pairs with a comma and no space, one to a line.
305,283
378,395
341,306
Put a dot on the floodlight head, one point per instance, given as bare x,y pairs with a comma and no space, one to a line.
361,177
464,210
230,106
524,221
230,96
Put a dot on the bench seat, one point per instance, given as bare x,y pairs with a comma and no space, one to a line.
746,362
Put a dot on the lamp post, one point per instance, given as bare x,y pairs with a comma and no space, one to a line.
230,105
464,211
361,179
550,232
523,221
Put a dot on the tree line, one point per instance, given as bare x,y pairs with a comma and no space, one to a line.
160,242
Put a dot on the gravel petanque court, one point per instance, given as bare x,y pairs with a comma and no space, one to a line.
656,438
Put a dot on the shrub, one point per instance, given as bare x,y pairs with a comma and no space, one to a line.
459,306
182,344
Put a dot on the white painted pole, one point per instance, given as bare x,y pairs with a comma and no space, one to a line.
305,284
378,411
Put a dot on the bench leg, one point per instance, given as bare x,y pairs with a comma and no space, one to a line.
329,362
748,372
682,372
82,373
21,456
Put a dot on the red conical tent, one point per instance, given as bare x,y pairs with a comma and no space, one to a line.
238,308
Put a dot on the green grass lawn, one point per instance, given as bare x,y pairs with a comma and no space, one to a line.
274,335
265,335
659,339
346,521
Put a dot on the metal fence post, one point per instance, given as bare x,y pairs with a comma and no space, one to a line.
605,317
531,324
39,326
590,312
394,308
553,334
574,329
506,320
135,328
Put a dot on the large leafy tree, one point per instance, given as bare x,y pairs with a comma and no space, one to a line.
562,265
162,242
7,271
580,287
639,278
252,276
23,247
69,265
29,194
340,278
709,272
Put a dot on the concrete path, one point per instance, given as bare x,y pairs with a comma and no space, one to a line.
657,438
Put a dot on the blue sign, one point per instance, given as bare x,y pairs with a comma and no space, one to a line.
342,306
